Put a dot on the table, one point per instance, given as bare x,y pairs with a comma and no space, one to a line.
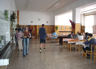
61,39
71,42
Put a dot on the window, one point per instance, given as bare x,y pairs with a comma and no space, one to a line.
89,22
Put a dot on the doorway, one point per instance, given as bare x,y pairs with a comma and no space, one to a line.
33,29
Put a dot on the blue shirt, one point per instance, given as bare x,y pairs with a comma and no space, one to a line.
91,41
42,33
54,35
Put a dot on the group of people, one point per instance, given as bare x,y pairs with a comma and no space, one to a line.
22,37
88,40
22,40
75,36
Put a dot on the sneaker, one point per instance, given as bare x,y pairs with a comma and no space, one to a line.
88,57
44,48
24,55
40,51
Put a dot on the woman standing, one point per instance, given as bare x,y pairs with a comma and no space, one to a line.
19,36
26,41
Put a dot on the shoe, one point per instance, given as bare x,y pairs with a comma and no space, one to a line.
44,48
40,51
24,55
88,57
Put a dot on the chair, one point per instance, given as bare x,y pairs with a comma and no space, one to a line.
65,44
90,52
72,44
79,43
94,52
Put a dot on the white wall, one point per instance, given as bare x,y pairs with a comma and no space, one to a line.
36,18
72,6
63,19
5,29
7,4
5,25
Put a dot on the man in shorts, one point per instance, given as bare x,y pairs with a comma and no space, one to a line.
42,33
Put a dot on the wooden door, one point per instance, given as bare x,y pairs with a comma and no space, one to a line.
34,31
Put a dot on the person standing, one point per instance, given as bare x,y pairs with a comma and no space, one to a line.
26,42
16,37
19,36
42,33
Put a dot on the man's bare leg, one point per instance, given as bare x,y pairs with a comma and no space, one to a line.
41,45
44,46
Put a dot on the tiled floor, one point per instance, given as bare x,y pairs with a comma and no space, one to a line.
55,57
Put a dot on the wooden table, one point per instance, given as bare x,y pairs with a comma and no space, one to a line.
71,42
61,39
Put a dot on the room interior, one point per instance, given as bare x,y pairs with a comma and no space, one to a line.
60,16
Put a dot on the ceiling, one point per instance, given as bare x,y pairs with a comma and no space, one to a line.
41,5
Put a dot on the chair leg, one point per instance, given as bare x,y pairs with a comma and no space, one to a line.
94,59
70,49
91,56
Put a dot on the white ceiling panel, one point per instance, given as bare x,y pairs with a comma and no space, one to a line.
41,5
21,4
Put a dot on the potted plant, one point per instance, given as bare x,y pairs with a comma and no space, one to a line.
56,27
12,20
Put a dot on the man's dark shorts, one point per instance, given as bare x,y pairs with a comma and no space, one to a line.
42,41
